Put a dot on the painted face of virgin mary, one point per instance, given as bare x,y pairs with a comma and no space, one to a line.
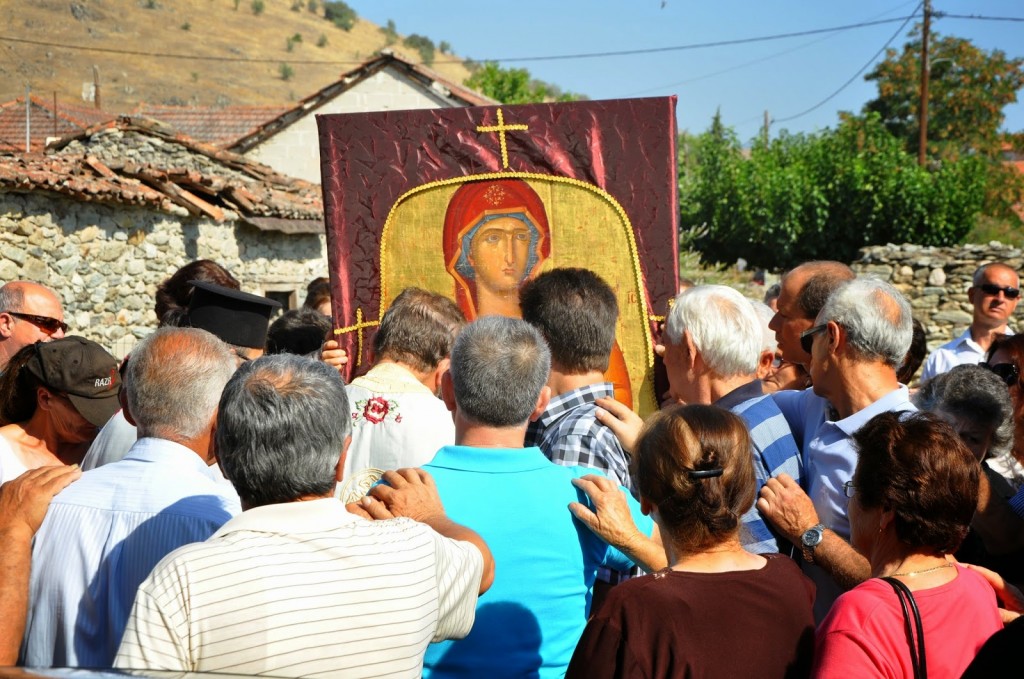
499,254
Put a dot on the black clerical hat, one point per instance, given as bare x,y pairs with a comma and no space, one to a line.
236,317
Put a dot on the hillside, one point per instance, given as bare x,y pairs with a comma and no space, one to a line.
211,28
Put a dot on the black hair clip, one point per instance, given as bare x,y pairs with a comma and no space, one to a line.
705,473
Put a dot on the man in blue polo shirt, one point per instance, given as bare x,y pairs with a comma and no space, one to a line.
517,500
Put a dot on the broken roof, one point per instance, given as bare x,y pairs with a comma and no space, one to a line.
140,162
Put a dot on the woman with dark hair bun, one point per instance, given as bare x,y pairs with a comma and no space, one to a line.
912,497
717,610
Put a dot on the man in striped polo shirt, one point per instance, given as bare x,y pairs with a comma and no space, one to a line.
296,585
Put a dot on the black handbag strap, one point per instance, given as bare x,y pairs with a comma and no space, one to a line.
907,603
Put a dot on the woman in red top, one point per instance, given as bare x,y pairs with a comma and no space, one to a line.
913,494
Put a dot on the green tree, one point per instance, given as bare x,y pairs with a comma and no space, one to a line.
258,6
285,71
444,47
390,32
821,196
968,89
514,85
339,13
423,45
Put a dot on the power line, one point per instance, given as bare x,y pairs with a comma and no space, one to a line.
943,15
752,62
855,75
555,57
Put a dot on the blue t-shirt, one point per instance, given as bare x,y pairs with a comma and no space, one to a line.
545,561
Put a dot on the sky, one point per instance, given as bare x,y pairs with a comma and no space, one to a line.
784,77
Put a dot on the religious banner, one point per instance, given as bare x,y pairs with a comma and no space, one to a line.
471,202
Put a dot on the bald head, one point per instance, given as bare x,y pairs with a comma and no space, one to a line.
994,294
803,293
29,313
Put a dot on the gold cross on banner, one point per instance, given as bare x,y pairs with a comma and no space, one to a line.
501,128
358,329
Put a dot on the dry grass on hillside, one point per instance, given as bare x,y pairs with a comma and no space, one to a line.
212,28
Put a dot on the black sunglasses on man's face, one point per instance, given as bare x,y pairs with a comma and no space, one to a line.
44,323
993,290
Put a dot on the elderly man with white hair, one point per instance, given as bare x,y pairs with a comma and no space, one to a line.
713,342
858,340
713,345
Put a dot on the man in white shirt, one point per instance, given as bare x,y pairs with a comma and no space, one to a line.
994,293
297,586
103,535
398,419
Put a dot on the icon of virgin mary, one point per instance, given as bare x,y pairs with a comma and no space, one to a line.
496,236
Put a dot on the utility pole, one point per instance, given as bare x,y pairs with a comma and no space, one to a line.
28,118
767,122
96,86
922,118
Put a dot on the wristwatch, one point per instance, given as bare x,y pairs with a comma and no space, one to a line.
810,540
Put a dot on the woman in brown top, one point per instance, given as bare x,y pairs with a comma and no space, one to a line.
717,610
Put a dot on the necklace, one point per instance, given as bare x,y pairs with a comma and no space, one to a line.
948,564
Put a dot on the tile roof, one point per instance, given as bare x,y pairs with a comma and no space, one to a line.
43,123
219,126
428,78
136,161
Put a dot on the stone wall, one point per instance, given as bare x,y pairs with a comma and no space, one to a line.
106,261
935,280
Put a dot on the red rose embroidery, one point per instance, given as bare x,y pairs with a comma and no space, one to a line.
376,409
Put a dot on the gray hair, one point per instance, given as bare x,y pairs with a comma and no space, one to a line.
972,393
281,429
12,297
765,315
876,317
724,328
174,380
499,366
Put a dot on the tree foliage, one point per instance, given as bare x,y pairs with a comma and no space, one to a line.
423,45
514,86
822,196
340,14
968,89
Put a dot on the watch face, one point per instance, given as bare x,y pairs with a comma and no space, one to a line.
812,536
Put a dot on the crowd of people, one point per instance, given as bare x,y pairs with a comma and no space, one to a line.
478,503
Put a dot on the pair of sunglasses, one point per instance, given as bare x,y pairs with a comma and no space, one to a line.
44,323
1007,372
807,337
993,290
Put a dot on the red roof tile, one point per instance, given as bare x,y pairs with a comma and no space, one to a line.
42,122
218,126
230,182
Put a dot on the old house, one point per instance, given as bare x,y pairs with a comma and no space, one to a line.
286,139
107,214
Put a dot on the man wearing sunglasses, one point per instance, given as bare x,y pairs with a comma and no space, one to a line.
29,313
994,294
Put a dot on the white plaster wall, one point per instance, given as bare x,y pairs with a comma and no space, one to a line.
295,151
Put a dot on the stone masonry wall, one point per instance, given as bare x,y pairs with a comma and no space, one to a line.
935,280
106,261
